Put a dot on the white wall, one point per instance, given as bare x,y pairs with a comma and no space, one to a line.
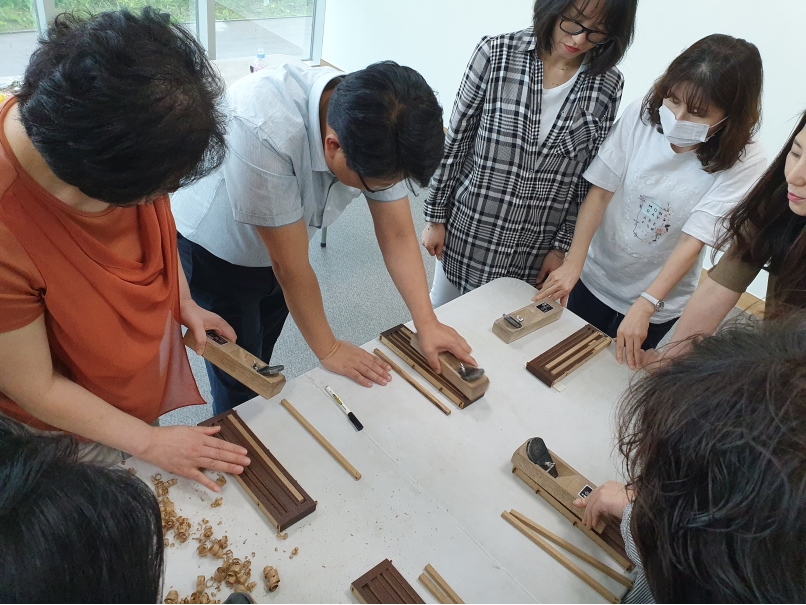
436,37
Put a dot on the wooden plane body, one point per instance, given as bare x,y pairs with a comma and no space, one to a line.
531,317
568,355
561,491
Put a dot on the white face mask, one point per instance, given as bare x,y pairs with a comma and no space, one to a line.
682,133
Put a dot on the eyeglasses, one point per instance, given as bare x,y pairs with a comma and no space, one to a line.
368,190
593,36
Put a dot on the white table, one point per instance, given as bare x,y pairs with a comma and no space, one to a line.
433,486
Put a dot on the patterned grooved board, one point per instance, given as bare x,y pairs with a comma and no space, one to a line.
569,355
271,487
404,343
384,584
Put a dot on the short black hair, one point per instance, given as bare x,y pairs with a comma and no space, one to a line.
389,123
72,532
618,17
123,107
715,448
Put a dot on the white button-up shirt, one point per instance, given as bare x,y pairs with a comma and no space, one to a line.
275,172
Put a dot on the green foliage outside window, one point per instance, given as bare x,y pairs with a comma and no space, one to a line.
16,15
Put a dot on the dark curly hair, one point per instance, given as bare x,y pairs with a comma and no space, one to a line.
72,532
389,123
717,71
715,449
123,107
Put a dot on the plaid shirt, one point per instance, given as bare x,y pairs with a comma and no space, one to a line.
506,199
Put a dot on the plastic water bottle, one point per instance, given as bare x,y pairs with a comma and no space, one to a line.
259,62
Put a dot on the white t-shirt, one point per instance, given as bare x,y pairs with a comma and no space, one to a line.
275,172
551,103
658,196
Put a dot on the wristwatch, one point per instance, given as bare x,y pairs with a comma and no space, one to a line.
658,304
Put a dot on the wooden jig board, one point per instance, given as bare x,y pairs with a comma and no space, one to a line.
405,344
533,317
384,584
568,355
561,491
271,487
238,363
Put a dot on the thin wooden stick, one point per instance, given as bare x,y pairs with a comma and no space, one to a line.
433,589
443,584
561,558
267,460
580,554
445,409
322,441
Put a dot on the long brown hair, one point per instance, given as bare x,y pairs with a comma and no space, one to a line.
718,71
763,231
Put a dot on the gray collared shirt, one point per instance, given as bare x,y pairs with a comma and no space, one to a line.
275,172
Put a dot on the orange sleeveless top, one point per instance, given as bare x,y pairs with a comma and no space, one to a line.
108,286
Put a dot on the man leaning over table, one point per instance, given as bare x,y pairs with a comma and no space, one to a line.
303,143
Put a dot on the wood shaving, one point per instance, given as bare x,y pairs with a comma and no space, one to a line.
272,578
172,597
182,529
221,480
133,470
202,550
282,536
217,502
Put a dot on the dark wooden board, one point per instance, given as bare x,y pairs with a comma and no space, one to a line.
384,584
399,340
568,355
276,493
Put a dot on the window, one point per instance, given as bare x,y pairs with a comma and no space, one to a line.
279,27
18,32
227,28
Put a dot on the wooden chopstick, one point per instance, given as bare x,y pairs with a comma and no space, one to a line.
322,441
440,581
560,558
445,409
434,589
579,553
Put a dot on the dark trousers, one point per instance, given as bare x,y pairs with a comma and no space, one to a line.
248,298
585,304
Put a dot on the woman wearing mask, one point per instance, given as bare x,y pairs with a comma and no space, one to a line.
531,112
674,165
767,230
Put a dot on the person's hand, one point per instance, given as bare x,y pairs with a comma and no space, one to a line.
436,337
559,283
184,450
609,498
198,321
553,260
433,239
632,332
355,363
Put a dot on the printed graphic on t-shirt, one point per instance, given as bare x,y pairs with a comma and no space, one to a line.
653,220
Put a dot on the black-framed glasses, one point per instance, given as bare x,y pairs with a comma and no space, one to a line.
593,36
368,190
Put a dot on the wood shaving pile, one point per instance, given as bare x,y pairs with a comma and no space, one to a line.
217,502
167,511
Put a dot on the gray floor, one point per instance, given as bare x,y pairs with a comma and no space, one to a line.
360,298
